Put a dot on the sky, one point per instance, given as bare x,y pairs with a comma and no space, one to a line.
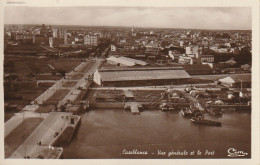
226,18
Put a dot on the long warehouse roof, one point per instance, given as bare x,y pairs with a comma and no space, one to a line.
143,75
127,61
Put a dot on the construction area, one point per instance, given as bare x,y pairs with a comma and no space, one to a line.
27,78
48,122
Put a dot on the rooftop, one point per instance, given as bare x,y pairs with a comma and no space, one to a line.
108,69
237,78
147,74
127,61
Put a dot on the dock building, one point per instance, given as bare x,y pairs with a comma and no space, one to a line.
141,76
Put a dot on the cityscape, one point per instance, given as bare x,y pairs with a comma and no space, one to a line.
127,91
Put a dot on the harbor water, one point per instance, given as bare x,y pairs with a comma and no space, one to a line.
155,134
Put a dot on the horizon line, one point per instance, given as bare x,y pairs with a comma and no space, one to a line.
129,27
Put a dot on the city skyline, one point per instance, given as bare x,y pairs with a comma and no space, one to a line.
218,18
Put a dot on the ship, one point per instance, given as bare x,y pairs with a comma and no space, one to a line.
199,120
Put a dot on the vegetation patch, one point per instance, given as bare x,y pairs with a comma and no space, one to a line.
20,134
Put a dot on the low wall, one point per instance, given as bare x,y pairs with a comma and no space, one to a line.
118,105
66,135
157,105
236,107
107,105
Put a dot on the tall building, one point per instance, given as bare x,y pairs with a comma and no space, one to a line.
51,42
192,50
181,43
61,32
55,33
65,37
91,40
192,56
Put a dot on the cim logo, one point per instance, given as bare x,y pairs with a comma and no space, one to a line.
232,152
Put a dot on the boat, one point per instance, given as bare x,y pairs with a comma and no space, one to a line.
166,107
201,120
172,109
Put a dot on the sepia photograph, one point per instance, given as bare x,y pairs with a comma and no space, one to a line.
127,82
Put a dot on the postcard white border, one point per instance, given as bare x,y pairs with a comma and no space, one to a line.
254,4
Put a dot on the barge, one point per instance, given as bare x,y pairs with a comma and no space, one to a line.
202,121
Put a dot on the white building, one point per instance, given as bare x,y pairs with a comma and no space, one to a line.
51,42
186,60
170,53
91,40
37,31
192,50
237,81
113,48
181,43
223,50
207,58
123,41
214,48
55,33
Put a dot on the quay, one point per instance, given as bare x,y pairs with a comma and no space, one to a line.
46,140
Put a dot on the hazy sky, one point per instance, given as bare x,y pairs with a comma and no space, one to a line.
235,18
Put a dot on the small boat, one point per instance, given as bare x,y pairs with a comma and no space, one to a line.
166,107
172,109
199,120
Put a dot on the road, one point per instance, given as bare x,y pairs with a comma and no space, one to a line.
74,92
180,88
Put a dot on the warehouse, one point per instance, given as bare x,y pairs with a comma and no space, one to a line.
124,61
237,81
141,76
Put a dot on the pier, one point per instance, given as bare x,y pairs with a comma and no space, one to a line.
134,107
